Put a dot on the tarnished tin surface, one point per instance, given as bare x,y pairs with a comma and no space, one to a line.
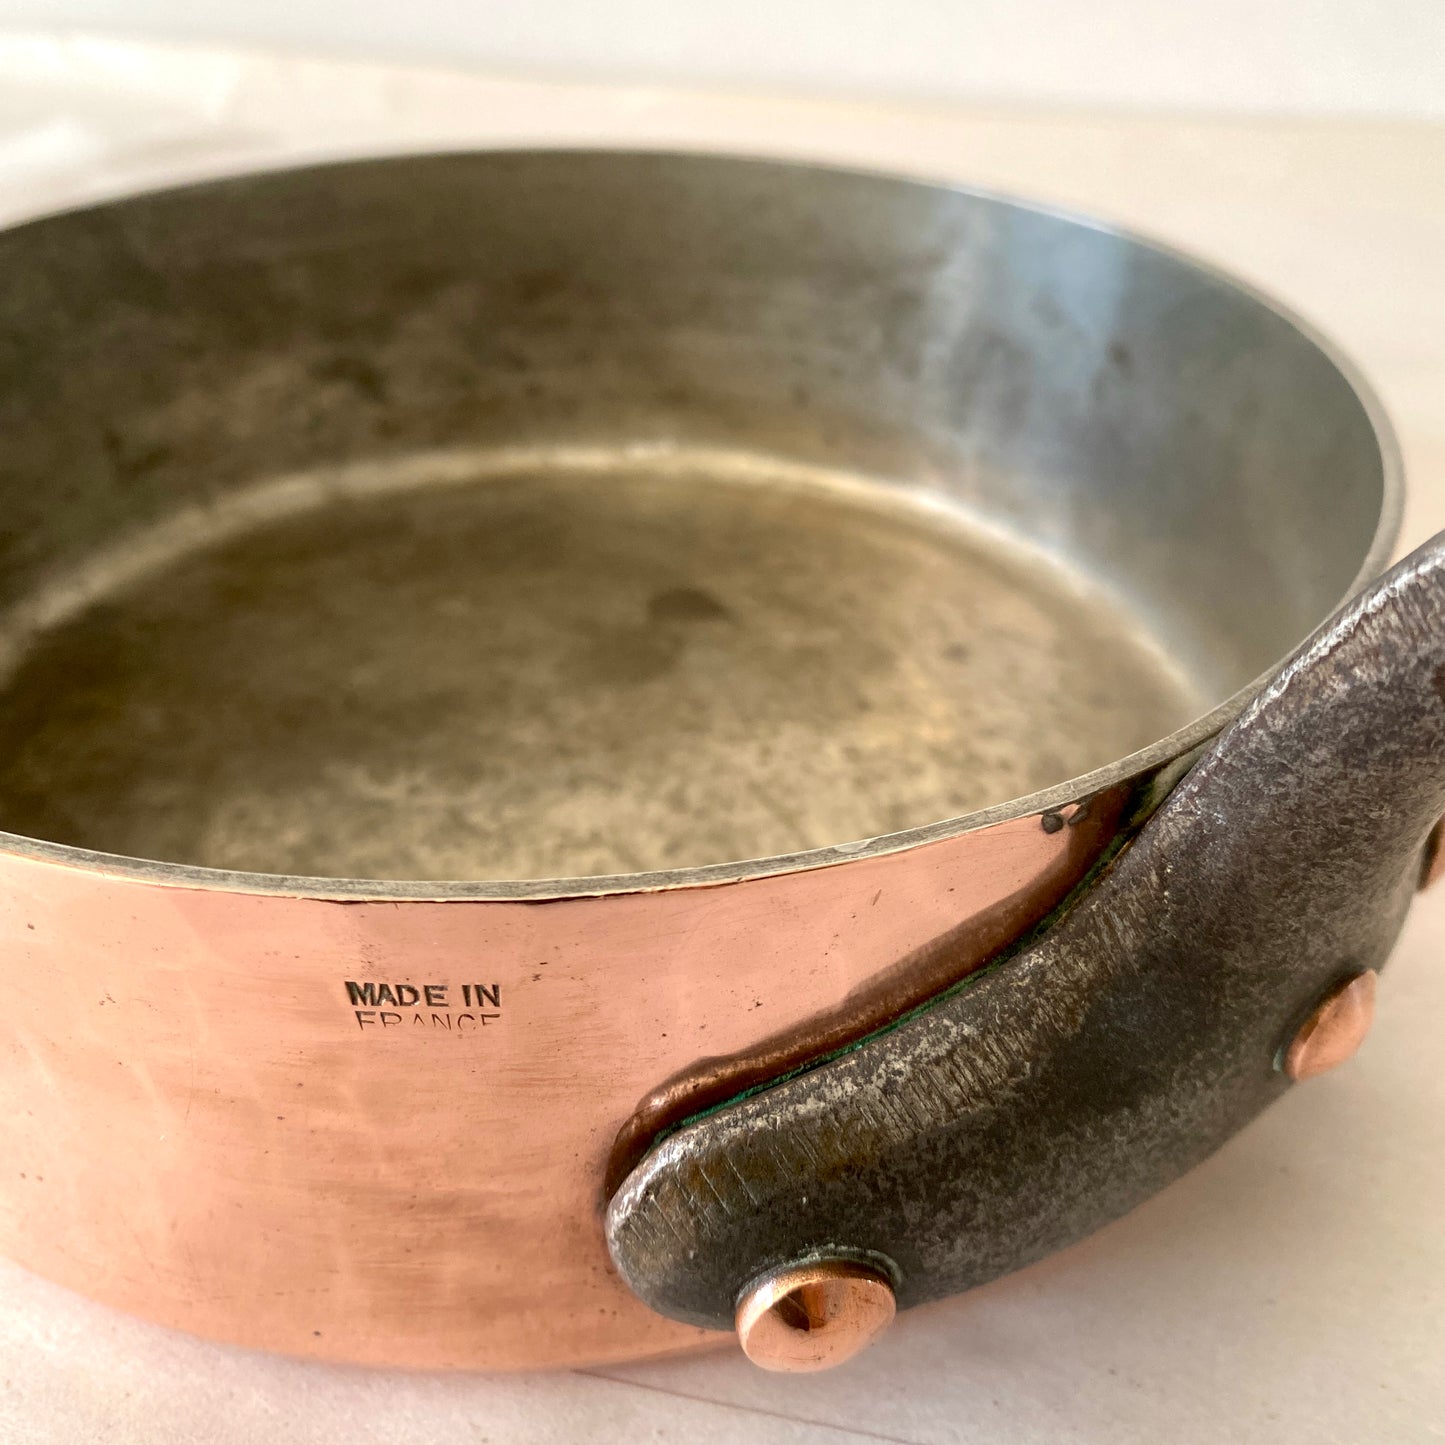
510,518
1057,1090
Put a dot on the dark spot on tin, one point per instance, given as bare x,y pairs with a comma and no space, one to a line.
355,372
1120,356
1048,310
956,652
534,286
130,459
686,604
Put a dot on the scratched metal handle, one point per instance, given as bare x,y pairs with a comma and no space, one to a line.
1068,1082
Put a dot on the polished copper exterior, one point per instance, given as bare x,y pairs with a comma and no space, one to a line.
205,1128
1335,1030
814,1316
1085,831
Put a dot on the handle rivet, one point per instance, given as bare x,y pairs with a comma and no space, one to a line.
1335,1029
814,1316
1432,869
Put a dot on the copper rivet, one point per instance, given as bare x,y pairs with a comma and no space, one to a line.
814,1316
1334,1030
1433,869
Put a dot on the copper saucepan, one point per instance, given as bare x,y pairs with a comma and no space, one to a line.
571,526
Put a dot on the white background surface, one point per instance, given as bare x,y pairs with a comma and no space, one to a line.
1293,1288
1369,56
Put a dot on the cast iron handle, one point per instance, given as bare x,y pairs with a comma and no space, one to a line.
1061,1086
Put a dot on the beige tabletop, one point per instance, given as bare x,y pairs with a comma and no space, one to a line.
1293,1288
